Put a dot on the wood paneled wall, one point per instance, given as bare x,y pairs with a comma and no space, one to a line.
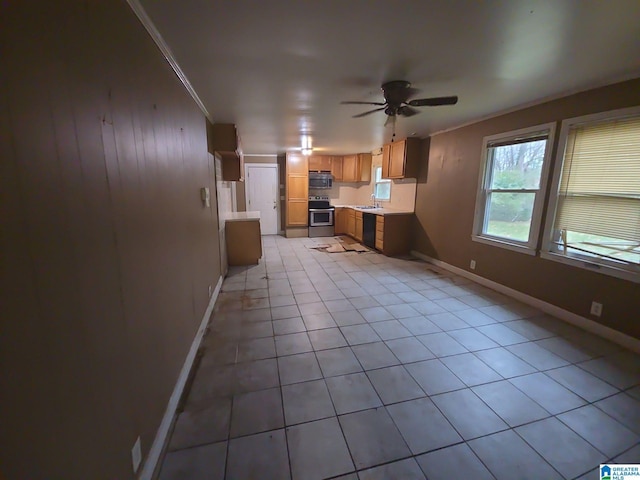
107,250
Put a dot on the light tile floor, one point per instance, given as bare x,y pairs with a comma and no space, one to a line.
352,366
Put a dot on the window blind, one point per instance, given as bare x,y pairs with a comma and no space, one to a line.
599,190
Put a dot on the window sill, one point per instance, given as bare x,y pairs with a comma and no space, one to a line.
592,266
516,247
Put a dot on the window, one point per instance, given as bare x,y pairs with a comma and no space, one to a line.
382,186
511,188
594,209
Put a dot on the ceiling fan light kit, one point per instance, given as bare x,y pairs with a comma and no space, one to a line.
396,95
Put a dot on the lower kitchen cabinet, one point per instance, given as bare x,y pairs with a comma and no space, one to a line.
244,243
351,222
393,232
379,232
297,213
340,220
358,226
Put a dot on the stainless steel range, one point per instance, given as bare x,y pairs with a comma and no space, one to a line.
321,216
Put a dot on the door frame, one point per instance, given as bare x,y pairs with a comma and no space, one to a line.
272,165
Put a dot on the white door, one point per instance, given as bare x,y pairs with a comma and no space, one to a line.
261,186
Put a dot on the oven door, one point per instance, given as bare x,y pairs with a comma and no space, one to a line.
321,217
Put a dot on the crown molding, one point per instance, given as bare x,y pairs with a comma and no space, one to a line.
166,52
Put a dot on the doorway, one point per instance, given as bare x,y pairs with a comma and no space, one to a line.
261,190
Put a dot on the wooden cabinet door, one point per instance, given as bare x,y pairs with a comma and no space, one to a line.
351,222
339,221
243,241
386,160
319,163
358,227
297,213
314,163
298,187
297,190
336,168
396,166
325,163
364,167
350,168
297,164
380,232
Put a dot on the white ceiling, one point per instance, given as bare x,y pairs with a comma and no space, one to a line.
277,68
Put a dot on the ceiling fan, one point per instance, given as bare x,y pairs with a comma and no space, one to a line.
396,95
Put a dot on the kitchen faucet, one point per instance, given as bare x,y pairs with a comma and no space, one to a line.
373,201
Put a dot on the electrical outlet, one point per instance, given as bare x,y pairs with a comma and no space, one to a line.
210,290
596,309
136,455
472,265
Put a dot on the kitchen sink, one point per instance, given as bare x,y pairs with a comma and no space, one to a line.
366,207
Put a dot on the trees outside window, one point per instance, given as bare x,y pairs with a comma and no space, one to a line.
511,187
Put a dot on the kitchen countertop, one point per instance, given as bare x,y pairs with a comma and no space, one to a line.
377,211
242,216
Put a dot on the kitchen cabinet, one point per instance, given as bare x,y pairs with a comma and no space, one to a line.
401,159
297,213
232,166
364,166
349,167
297,165
243,240
336,168
393,234
379,232
386,160
297,192
319,163
356,168
341,221
223,141
351,222
358,226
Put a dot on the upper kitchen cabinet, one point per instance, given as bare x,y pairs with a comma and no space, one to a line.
356,168
223,141
319,163
336,169
401,159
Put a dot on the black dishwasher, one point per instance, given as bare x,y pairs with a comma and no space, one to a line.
369,229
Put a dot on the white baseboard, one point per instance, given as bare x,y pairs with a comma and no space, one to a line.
161,435
615,336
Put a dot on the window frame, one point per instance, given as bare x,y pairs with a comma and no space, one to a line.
382,180
529,247
593,263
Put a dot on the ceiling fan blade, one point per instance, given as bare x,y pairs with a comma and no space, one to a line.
361,103
368,113
433,102
407,111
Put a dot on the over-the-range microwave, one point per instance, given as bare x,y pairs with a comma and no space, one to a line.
320,180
